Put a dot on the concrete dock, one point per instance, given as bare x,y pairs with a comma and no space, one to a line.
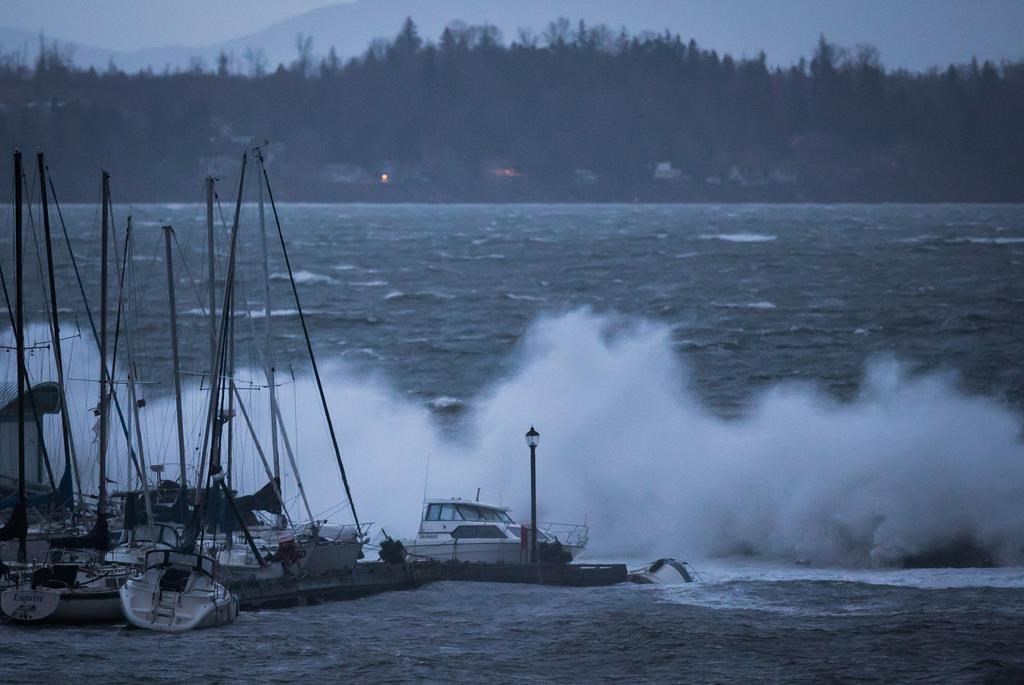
371,578
571,575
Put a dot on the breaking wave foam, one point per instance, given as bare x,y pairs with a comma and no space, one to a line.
739,237
911,465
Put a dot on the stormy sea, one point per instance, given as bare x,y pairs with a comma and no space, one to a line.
813,405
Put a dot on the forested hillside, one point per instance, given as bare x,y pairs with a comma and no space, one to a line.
576,113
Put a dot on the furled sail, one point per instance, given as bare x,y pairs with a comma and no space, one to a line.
17,524
98,538
264,499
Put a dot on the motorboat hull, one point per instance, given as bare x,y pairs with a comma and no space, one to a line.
482,552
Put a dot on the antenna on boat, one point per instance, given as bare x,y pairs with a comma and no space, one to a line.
426,477
478,494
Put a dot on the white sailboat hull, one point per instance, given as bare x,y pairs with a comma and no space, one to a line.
321,558
176,593
51,605
147,606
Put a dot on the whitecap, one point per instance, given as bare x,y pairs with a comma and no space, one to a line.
975,240
259,313
394,294
764,304
444,402
528,298
369,284
739,237
303,277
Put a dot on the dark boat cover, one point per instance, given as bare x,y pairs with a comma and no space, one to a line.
98,538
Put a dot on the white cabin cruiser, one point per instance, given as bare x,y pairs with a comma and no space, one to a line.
176,592
461,530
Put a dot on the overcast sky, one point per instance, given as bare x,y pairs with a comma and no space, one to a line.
910,33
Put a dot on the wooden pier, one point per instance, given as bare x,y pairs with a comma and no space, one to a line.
371,578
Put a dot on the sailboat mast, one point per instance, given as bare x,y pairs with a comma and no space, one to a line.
230,384
133,372
19,337
312,357
211,442
267,318
174,355
211,263
58,357
104,250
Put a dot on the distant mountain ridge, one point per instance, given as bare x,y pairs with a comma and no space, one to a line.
728,25
347,27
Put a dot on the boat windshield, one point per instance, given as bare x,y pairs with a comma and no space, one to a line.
465,512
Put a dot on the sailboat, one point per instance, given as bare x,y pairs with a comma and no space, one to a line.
179,590
42,398
311,548
324,549
75,584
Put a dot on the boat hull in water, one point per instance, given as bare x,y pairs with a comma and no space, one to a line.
47,605
65,592
177,592
320,558
475,551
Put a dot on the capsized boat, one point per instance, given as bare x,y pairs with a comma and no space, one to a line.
663,572
176,592
461,530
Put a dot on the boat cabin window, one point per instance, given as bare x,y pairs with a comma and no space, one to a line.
478,532
465,512
449,512
442,512
470,513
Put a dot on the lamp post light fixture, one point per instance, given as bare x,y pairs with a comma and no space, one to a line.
532,439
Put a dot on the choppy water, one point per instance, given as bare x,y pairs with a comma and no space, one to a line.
762,625
437,297
447,330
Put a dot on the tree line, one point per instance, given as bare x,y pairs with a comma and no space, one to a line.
575,112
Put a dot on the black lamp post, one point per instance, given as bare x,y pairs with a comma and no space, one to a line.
532,438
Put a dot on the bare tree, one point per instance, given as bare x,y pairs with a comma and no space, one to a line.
527,37
557,33
255,62
303,64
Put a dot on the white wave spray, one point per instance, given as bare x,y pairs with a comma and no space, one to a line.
910,465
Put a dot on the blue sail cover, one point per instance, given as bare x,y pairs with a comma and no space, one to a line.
57,499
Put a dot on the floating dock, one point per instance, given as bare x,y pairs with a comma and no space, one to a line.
360,581
568,575
372,578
